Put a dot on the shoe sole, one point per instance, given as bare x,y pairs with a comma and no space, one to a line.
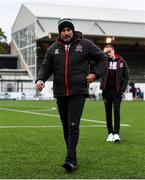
109,141
117,140
69,167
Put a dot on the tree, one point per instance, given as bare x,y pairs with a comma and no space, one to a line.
4,47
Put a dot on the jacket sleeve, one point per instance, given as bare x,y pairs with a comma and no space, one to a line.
100,59
46,68
125,77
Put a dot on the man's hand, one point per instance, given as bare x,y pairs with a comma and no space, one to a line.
39,85
90,78
122,94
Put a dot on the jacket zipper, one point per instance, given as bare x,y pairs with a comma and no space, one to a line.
66,67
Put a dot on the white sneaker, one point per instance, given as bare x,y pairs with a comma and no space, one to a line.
116,138
110,137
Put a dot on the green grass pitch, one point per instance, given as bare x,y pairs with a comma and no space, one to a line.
32,144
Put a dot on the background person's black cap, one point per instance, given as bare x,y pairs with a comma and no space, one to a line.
65,22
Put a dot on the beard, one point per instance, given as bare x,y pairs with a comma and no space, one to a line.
67,39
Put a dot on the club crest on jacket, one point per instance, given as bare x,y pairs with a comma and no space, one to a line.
79,48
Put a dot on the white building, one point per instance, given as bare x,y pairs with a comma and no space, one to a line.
35,29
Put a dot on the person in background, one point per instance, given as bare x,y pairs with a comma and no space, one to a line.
132,89
113,85
68,60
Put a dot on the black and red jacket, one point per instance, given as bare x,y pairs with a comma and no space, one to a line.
122,76
69,65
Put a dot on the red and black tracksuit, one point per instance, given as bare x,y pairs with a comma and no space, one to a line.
113,84
69,64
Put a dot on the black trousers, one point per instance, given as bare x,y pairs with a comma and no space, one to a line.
70,110
112,99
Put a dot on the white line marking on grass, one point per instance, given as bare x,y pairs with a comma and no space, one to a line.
29,112
57,116
50,109
4,127
13,127
103,122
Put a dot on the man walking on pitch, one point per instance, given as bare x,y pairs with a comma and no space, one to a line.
68,60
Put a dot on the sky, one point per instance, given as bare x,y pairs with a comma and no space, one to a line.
10,8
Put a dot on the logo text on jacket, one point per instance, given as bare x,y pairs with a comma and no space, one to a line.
56,51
